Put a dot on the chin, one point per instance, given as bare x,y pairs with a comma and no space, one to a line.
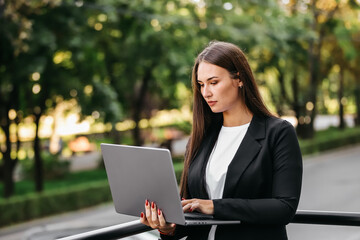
214,110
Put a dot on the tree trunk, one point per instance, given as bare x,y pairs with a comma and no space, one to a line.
340,96
295,92
314,69
38,165
306,128
7,163
138,105
357,103
136,131
305,131
115,135
302,128
314,53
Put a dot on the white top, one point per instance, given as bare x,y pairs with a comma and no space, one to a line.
227,144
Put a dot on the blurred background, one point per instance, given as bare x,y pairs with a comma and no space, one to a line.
75,73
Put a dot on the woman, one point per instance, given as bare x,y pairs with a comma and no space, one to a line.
241,162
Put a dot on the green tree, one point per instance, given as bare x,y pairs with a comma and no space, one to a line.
144,47
14,30
38,56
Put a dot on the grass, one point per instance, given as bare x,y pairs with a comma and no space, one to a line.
76,190
78,178
330,139
334,132
86,177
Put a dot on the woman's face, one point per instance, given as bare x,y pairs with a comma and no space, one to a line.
220,91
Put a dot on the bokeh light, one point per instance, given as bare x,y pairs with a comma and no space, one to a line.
36,88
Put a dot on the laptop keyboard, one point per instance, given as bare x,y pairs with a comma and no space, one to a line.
197,216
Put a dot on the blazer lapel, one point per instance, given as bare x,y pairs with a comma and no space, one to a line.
245,154
196,177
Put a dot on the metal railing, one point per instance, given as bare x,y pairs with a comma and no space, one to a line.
302,216
327,218
112,232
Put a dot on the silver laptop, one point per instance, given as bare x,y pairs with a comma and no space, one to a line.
139,173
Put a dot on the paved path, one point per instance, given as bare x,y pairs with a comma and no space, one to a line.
70,224
331,183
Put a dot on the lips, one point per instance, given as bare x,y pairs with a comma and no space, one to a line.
211,103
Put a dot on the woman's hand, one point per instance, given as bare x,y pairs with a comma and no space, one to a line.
154,218
200,205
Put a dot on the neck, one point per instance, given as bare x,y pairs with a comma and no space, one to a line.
237,119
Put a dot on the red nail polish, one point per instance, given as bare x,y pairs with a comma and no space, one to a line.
152,205
159,212
146,202
142,215
182,198
191,210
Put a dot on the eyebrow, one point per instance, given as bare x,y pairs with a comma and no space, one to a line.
210,78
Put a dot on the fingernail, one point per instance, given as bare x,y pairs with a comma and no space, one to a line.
191,210
146,202
159,212
142,215
152,205
182,198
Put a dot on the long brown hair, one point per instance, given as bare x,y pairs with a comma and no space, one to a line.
230,57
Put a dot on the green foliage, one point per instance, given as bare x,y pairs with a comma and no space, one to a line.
185,127
83,185
344,38
31,206
53,167
24,187
178,167
124,59
330,139
177,159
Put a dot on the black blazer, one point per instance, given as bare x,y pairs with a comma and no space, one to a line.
262,186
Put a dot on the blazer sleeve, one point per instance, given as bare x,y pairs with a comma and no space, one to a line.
179,233
281,206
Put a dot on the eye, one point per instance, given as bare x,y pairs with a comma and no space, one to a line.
200,84
213,82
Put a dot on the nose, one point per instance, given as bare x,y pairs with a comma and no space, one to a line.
206,91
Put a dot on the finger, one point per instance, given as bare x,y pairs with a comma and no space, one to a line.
194,206
184,202
169,228
148,211
147,208
163,225
162,221
187,207
171,225
154,214
143,219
